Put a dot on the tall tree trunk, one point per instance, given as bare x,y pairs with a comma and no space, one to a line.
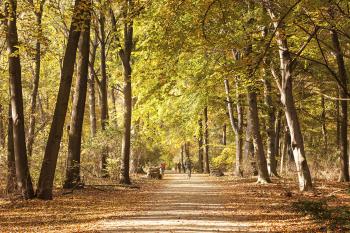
248,143
344,156
47,173
277,133
33,100
270,129
337,110
2,127
124,175
182,159
324,127
236,127
224,135
78,108
200,146
206,142
125,56
284,150
104,92
263,175
11,185
114,102
287,99
91,82
24,180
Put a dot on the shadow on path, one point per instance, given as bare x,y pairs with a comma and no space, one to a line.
204,204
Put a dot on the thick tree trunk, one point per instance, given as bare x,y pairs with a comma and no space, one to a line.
249,154
270,129
287,99
297,142
24,181
206,142
263,175
47,173
78,108
344,156
127,90
236,127
11,185
33,100
200,146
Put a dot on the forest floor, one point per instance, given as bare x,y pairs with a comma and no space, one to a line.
176,204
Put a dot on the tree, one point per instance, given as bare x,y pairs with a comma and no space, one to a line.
237,126
24,181
263,175
343,78
103,89
77,118
270,129
91,82
206,142
33,101
125,57
200,146
11,185
47,173
285,86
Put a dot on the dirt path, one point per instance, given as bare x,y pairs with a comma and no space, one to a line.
207,204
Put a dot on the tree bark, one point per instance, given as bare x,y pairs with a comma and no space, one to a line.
11,185
47,173
270,129
200,146
104,92
182,159
324,123
78,108
35,88
237,126
24,181
92,96
125,56
344,156
287,99
224,135
2,127
278,132
263,175
206,142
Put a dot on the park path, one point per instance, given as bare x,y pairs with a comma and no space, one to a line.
202,204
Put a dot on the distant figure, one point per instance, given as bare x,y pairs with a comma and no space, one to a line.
188,165
179,167
162,168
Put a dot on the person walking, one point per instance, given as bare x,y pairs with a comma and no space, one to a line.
179,166
188,165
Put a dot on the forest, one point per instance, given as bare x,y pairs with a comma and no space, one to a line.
251,96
